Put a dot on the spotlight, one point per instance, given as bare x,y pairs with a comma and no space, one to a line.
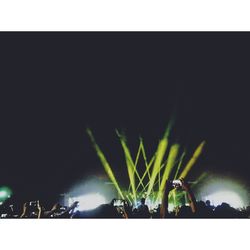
5,193
88,201
232,198
219,189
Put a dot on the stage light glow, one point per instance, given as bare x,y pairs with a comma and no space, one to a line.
151,205
219,189
180,164
156,167
5,193
168,168
162,147
130,165
193,160
138,153
159,155
105,163
230,197
171,207
148,166
88,201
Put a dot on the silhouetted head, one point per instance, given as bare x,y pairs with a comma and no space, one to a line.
208,203
112,202
201,205
184,212
225,205
143,201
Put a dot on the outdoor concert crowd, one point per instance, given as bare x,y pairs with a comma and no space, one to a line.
194,209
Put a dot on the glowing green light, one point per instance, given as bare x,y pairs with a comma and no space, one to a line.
147,171
5,193
200,178
105,163
145,159
130,165
193,160
179,165
158,169
138,154
136,162
162,147
169,166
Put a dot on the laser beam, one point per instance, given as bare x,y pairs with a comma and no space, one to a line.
105,163
169,166
193,160
179,165
162,147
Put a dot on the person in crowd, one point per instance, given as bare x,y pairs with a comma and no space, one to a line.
127,210
8,211
31,210
184,211
123,209
59,211
103,211
204,210
142,210
226,211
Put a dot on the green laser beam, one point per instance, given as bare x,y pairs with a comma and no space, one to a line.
145,158
174,149
201,177
136,160
162,147
138,154
147,170
193,160
105,163
130,164
179,165
155,183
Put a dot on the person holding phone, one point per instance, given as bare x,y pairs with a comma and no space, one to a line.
178,184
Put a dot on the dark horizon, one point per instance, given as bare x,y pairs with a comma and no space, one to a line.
55,85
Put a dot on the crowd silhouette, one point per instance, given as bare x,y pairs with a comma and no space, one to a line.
123,209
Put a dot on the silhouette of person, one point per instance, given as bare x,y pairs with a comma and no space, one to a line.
143,211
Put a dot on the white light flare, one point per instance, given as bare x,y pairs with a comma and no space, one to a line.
3,194
230,197
88,201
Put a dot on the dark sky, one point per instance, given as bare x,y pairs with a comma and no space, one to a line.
54,85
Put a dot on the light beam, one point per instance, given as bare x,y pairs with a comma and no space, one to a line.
105,163
193,160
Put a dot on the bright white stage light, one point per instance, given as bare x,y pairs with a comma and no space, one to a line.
230,197
219,189
3,194
88,201
150,204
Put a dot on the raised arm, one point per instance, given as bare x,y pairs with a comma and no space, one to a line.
70,209
24,210
47,214
164,203
39,208
190,194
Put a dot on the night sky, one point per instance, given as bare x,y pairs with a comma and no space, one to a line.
55,85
